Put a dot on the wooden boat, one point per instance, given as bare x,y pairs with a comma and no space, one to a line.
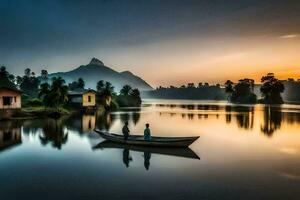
184,152
155,141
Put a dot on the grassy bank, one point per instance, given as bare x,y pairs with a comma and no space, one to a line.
32,112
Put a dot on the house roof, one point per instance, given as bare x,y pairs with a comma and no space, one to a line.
81,91
4,83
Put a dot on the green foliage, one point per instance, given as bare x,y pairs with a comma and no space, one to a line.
135,93
77,84
29,84
55,95
100,85
3,72
212,92
229,87
128,101
34,102
129,97
125,90
271,89
242,92
6,79
44,75
105,94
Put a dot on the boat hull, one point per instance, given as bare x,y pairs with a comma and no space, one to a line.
155,141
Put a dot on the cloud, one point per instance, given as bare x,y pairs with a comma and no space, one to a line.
289,36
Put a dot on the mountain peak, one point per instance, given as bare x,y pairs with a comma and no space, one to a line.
127,72
96,61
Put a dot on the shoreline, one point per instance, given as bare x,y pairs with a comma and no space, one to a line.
39,112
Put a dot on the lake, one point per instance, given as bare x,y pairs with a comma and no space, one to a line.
244,152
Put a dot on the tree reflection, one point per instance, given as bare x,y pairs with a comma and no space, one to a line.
132,115
271,121
124,117
245,117
136,117
105,120
54,133
228,114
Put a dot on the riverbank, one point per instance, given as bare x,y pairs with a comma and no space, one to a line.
33,112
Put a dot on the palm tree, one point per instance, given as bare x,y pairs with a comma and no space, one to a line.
135,93
44,93
107,93
109,87
44,75
3,72
27,72
100,85
125,90
81,83
58,92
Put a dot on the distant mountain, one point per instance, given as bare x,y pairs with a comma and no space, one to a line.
96,70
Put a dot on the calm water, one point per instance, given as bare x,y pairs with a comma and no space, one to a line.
245,153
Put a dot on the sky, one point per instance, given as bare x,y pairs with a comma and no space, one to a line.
166,42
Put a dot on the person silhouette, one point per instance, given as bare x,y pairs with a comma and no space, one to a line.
147,133
125,131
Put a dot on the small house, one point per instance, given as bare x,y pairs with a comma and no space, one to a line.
83,97
10,97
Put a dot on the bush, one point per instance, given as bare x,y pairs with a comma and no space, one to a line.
34,102
128,101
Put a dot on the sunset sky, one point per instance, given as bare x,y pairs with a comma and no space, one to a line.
165,42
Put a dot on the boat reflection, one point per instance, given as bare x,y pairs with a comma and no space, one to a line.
147,151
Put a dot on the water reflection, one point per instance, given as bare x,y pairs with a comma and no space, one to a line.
272,119
234,139
266,119
126,157
10,134
54,133
147,152
105,121
243,116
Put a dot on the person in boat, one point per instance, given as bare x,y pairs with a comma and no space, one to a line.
147,133
125,131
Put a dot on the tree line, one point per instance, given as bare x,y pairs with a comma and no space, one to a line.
243,91
54,92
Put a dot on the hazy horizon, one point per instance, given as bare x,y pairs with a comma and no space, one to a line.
165,43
